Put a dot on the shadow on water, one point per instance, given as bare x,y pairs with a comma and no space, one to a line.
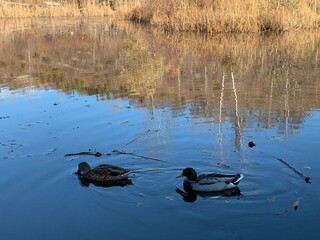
191,196
120,183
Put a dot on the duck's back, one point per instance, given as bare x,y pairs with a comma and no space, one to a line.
113,170
106,172
215,182
217,177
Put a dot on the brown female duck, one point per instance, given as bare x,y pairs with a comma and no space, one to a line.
103,173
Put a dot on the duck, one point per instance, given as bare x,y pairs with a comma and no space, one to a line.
103,173
212,182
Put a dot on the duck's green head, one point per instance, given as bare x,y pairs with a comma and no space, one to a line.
189,173
83,167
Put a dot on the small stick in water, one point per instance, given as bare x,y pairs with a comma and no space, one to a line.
136,138
305,178
282,212
139,156
97,154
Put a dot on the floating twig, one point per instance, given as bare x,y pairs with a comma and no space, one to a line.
136,138
141,170
139,156
305,178
282,212
97,154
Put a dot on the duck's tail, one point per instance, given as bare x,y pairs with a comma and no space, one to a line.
237,178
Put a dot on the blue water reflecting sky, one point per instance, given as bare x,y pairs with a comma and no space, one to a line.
171,102
42,198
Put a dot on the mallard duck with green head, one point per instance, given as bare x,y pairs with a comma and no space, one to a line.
103,173
212,182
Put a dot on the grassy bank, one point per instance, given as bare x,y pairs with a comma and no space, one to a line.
229,15
209,16
22,9
65,8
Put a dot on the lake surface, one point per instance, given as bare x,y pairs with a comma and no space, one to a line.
73,86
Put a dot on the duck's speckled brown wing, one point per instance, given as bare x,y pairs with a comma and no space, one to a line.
113,170
106,172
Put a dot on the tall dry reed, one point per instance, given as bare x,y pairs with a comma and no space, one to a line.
229,15
64,8
18,9
210,16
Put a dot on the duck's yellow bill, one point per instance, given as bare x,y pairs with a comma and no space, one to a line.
180,175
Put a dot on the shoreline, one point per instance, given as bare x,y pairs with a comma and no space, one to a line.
202,16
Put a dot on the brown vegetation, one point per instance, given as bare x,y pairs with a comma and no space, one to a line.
209,16
221,16
64,8
49,9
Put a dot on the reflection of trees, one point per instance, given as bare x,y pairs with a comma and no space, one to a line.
78,57
273,77
141,69
246,80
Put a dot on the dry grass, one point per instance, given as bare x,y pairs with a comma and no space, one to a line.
64,8
210,16
229,15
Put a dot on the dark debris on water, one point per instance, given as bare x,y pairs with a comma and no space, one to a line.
97,154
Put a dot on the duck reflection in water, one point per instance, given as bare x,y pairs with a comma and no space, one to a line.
104,175
122,183
191,196
213,184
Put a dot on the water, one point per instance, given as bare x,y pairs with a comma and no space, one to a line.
86,86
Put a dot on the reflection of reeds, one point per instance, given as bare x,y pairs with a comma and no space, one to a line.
270,72
222,16
245,52
142,70
62,55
